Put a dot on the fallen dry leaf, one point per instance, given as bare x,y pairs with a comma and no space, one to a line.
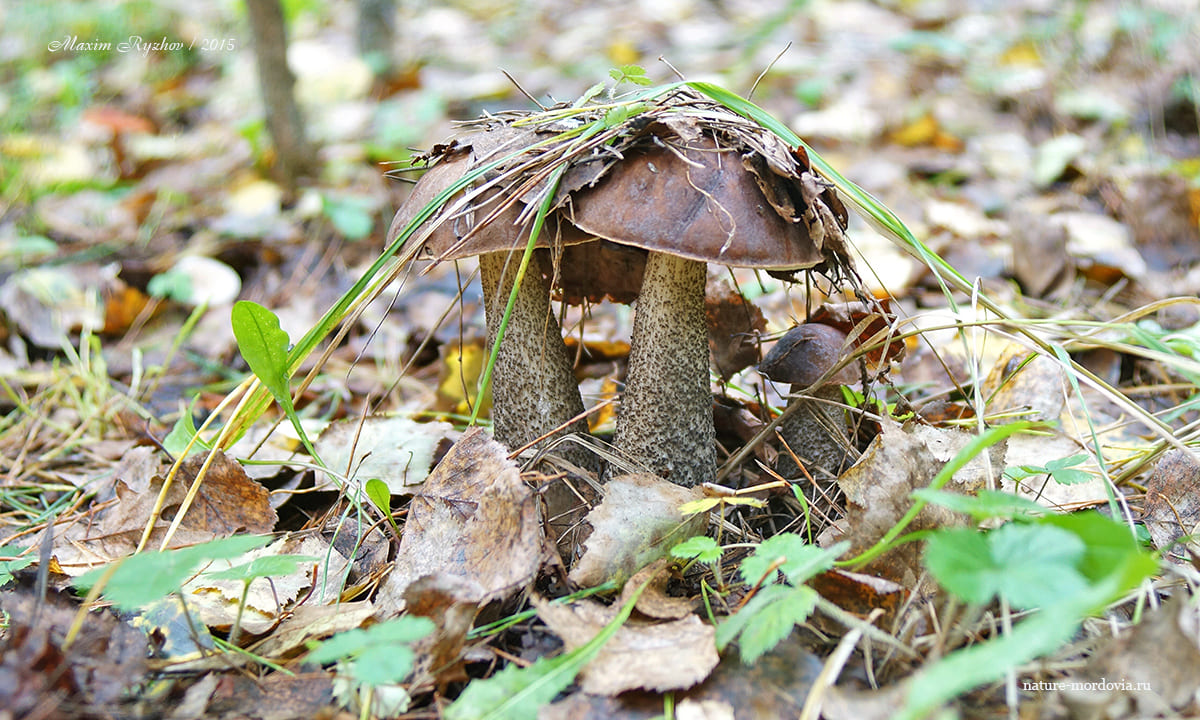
860,594
474,519
734,324
216,602
653,656
228,502
275,697
1172,508
637,522
1160,659
37,676
446,600
774,687
899,460
310,621
654,601
393,448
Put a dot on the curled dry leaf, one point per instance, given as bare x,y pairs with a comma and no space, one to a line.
734,324
447,601
636,523
312,622
860,594
216,601
774,687
475,519
228,502
106,660
654,601
654,656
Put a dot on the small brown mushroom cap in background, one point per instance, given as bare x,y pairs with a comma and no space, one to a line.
815,431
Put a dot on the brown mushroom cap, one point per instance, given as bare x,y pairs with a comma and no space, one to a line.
805,353
694,199
466,234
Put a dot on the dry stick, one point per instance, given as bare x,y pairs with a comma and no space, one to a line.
599,406
832,668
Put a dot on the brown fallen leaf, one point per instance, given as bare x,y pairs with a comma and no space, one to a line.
39,678
1025,385
877,488
219,603
860,594
475,519
654,656
446,600
275,697
228,501
393,448
1172,508
1153,670
654,601
637,522
311,622
734,324
774,687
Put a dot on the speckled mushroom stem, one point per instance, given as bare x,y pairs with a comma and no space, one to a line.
816,432
533,387
665,421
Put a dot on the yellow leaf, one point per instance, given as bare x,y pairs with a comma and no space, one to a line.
458,382
622,52
921,131
1024,53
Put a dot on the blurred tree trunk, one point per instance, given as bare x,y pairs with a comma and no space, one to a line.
295,157
377,36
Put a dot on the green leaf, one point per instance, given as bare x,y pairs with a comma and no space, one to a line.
766,620
351,216
264,346
363,647
1112,550
988,504
380,495
1063,470
633,74
8,567
517,693
269,566
701,548
1054,156
1031,565
172,285
176,442
790,555
143,578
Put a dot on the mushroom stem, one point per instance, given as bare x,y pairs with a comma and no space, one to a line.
665,421
533,386
815,430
